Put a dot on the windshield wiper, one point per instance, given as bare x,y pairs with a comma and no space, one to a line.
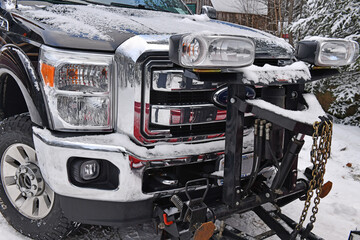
96,3
139,6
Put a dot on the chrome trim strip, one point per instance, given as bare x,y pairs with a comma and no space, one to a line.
173,80
81,146
186,115
116,143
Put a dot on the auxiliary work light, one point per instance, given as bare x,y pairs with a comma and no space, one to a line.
211,51
327,52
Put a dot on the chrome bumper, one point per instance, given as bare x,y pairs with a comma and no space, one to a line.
53,153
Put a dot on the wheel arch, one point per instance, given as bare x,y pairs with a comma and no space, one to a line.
16,66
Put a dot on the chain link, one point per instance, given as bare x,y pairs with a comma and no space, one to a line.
320,152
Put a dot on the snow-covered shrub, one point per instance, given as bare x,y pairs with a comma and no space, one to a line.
340,96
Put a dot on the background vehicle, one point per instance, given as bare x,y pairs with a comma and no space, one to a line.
116,112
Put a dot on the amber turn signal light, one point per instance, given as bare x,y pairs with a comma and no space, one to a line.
48,73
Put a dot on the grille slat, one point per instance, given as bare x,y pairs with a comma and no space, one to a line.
179,98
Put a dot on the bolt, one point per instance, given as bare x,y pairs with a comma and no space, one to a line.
237,203
34,187
294,94
32,177
161,226
30,194
23,194
238,191
232,100
267,195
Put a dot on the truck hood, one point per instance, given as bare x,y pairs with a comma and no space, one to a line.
103,28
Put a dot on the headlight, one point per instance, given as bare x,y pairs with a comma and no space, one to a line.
78,89
328,52
211,51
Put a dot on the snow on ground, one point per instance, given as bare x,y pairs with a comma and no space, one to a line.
339,212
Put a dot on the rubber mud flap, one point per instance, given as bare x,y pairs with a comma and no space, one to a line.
326,188
205,231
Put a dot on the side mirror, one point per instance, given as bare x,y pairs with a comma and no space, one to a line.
354,235
209,11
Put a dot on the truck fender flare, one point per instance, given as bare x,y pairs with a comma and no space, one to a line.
15,62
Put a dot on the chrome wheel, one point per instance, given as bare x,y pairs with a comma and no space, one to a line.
23,182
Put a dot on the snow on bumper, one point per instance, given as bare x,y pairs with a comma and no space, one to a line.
54,152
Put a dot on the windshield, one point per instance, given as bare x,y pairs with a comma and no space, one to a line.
174,6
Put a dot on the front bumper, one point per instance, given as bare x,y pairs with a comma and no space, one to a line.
54,150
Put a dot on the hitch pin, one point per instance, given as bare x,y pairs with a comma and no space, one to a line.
167,223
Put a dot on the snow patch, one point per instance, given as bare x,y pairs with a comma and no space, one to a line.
218,173
138,45
309,115
102,23
9,5
268,73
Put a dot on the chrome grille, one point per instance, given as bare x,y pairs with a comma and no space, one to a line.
176,107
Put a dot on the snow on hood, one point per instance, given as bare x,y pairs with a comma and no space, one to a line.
104,23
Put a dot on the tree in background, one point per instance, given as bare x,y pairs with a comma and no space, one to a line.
340,95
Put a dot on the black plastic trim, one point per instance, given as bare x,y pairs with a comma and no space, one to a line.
105,212
14,60
306,51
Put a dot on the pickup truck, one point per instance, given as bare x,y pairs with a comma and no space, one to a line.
126,111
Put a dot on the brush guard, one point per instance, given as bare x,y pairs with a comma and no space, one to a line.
193,217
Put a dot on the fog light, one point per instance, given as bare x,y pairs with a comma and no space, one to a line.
89,170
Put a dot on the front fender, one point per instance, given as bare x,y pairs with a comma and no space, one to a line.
16,63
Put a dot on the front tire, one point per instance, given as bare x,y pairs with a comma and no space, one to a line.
26,201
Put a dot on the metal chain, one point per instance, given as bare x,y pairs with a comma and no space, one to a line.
320,152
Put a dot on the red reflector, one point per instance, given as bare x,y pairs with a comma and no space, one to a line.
135,163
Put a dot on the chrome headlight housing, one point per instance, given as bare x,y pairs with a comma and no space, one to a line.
211,51
327,52
78,87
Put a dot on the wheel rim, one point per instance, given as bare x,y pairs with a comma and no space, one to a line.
23,182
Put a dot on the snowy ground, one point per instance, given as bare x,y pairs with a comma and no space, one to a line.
338,213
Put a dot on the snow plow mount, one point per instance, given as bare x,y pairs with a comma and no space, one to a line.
271,215
239,195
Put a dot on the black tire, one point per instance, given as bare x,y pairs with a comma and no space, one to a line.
18,130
